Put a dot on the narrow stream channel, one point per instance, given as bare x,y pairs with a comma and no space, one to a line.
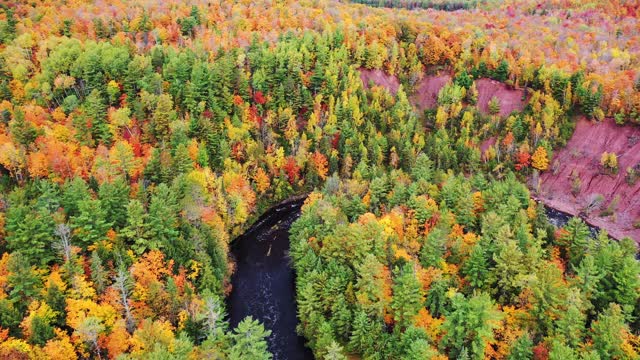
263,284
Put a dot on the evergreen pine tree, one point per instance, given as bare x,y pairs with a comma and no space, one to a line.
334,352
162,219
407,297
91,224
476,267
249,341
578,240
96,112
162,118
22,131
182,162
502,71
470,325
521,349
608,332
114,197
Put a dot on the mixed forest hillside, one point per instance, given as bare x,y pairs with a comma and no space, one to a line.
138,138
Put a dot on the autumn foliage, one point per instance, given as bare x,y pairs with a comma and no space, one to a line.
138,138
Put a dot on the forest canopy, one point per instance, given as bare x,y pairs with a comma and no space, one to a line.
138,138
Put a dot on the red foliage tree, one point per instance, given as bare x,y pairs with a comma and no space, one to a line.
523,160
292,170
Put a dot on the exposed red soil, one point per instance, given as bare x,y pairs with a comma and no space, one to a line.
427,89
510,99
380,78
582,154
426,94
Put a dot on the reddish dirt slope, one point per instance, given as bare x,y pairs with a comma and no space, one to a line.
426,95
427,89
379,78
510,100
583,153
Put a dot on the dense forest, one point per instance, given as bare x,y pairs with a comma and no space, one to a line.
138,138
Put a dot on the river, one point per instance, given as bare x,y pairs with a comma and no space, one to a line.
263,283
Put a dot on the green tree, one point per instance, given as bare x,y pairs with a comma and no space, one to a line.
158,169
323,340
334,352
41,331
96,112
99,275
55,298
570,326
456,194
561,351
549,294
423,169
463,79
8,28
494,106
608,331
249,341
589,99
419,350
370,286
407,297
135,231
29,230
522,348
162,220
182,162
626,278
342,316
138,71
509,269
22,131
576,241
470,325
502,71
438,301
365,335
476,267
74,191
587,280
91,225
113,197
23,280
162,118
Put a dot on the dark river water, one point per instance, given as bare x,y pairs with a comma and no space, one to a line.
263,284
560,219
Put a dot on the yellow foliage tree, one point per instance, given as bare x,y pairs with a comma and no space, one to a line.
609,161
262,180
60,348
540,160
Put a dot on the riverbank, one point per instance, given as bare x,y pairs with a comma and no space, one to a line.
559,218
578,185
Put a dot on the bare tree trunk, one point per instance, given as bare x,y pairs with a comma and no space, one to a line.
122,285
